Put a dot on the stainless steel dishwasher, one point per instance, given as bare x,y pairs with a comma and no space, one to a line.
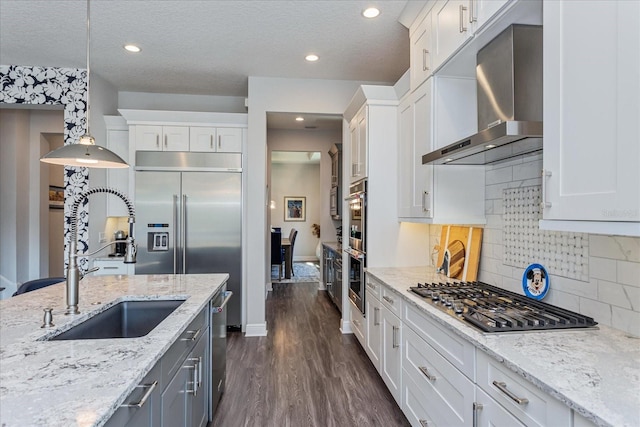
218,340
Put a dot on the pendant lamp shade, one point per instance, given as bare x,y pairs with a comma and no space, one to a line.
85,153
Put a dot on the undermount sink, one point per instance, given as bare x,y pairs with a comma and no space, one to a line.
127,319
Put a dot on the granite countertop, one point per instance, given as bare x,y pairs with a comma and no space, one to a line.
82,383
595,372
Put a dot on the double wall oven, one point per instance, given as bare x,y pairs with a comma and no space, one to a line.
357,248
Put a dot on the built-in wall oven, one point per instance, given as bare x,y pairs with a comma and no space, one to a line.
357,248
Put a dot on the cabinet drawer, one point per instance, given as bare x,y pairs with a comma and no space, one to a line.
108,268
535,407
172,360
414,404
391,300
148,393
373,287
357,323
438,381
458,351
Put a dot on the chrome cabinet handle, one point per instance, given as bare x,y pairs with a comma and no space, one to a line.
193,338
425,197
477,407
544,203
371,286
472,17
196,361
426,373
376,322
387,299
184,234
424,423
175,232
158,140
219,142
142,401
211,141
227,297
502,386
462,27
425,52
166,138
394,343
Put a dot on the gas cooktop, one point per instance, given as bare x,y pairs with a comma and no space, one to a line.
492,309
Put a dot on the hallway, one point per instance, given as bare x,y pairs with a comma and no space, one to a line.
305,372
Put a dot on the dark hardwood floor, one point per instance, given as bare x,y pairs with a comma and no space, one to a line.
304,372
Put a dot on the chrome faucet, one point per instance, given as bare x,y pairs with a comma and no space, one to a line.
74,275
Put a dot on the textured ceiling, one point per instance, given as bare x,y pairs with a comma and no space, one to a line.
207,47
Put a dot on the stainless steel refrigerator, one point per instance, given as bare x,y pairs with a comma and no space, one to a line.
189,217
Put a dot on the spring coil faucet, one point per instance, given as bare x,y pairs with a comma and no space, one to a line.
73,272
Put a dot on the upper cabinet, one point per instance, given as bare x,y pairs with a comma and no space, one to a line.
421,52
451,28
211,139
162,138
118,142
591,178
358,145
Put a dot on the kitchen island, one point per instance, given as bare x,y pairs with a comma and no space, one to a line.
595,372
83,382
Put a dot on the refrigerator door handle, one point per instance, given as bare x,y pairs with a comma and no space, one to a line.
184,234
175,232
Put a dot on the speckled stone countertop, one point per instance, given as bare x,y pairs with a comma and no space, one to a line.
82,383
594,372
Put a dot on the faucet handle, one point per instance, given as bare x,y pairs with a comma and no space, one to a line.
48,318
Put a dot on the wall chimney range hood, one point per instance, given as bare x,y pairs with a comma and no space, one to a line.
509,89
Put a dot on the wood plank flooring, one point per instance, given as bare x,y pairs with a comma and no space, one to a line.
304,372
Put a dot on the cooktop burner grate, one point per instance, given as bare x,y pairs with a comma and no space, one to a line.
493,309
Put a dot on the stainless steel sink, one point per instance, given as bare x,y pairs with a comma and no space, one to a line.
127,319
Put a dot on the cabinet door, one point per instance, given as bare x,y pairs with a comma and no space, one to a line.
374,329
362,144
200,382
421,52
202,139
118,142
148,138
451,28
391,367
481,11
405,156
148,414
353,149
175,138
422,188
174,398
489,413
591,109
229,140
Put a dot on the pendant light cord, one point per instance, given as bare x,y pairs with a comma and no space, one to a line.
88,112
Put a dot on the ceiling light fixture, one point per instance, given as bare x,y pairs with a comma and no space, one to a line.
132,48
299,119
490,146
85,153
371,12
311,58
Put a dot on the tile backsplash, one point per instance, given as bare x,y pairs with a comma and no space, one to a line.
596,275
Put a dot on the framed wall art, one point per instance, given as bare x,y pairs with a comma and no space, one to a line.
295,209
56,197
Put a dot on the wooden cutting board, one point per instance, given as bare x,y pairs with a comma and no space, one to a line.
470,238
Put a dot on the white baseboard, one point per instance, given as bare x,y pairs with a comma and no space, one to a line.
345,327
256,330
305,259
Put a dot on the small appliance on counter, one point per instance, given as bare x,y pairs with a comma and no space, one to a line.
120,247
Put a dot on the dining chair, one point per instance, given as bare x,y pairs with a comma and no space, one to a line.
292,239
277,256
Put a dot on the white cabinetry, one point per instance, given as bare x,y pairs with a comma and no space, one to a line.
111,267
373,345
222,140
358,145
481,11
591,179
489,413
421,52
118,142
358,323
451,28
391,360
162,138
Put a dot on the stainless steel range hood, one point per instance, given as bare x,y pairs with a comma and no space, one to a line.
509,86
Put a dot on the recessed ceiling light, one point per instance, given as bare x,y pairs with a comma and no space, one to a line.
448,160
490,146
370,12
311,57
132,48
299,119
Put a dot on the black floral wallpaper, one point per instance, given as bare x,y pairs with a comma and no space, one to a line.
56,86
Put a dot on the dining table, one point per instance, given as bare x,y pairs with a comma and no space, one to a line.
288,264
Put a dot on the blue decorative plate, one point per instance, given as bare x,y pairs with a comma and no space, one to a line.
535,282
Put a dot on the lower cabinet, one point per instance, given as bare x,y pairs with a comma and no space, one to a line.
488,413
175,392
373,340
357,323
391,367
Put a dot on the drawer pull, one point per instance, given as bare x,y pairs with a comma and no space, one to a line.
503,388
394,339
193,338
387,299
144,398
371,286
426,373
109,268
424,423
376,322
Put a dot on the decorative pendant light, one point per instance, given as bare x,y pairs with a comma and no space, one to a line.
85,153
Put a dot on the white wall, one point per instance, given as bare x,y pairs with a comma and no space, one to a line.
275,95
175,102
297,180
611,293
